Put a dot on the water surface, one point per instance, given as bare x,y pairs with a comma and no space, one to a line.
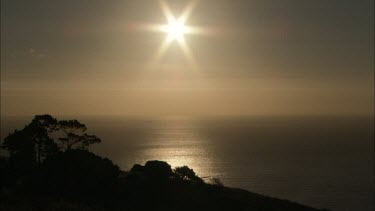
324,162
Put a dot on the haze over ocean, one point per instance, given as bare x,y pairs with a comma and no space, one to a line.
274,97
319,161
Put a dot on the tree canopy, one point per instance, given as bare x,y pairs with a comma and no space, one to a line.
34,143
74,135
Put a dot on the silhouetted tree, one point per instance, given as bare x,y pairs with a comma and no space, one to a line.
217,182
39,129
186,173
20,147
74,135
32,144
137,168
158,169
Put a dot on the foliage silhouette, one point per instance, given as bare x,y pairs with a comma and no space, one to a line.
158,170
31,145
74,135
38,175
186,173
217,182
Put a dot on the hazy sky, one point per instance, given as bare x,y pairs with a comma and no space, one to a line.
272,57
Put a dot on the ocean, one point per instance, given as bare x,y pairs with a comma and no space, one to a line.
325,162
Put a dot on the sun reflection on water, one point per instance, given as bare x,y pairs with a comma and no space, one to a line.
178,143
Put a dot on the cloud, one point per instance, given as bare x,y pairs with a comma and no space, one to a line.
36,53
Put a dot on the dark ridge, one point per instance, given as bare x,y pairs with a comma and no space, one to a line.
43,174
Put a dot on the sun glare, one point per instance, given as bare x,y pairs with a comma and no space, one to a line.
175,29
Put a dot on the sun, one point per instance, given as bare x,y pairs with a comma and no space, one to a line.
175,29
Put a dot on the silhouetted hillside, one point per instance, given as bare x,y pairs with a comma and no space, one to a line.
80,180
40,174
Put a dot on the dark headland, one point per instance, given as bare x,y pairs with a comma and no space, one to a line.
41,173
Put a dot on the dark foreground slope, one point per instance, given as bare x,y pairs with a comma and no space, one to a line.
80,180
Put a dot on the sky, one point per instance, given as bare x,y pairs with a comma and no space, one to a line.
254,57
